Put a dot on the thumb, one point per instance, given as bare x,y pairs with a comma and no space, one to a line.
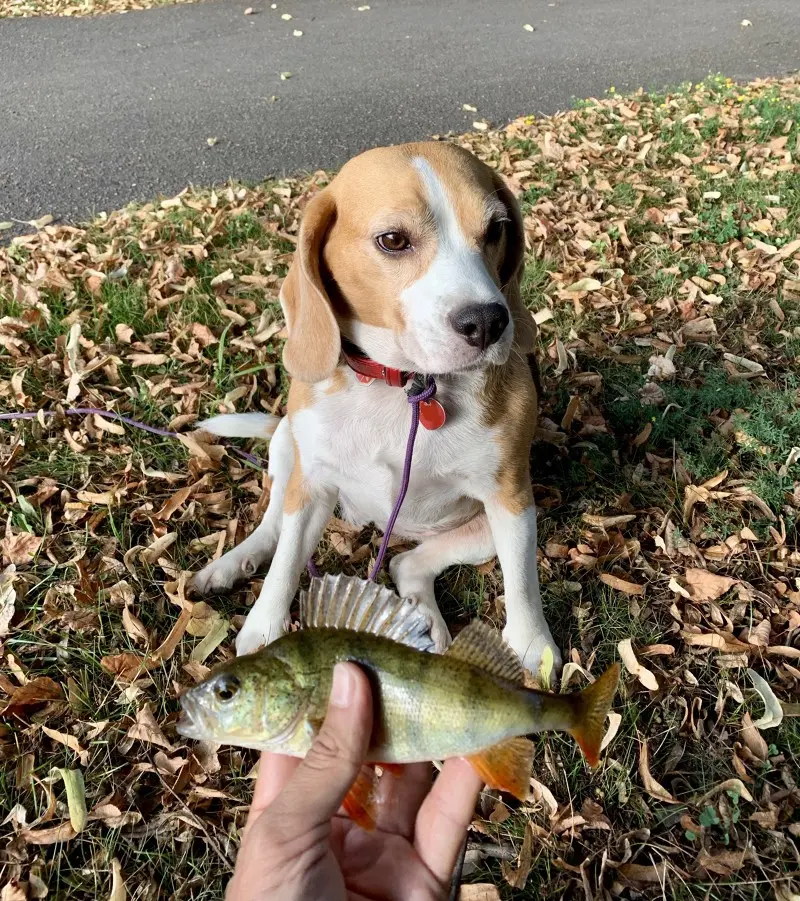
319,785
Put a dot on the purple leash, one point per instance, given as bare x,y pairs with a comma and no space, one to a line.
414,400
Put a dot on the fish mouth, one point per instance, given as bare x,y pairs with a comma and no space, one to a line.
190,724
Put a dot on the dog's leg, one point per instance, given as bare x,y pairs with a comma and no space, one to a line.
244,560
414,571
513,526
306,511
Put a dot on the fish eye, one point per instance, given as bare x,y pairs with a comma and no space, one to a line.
226,687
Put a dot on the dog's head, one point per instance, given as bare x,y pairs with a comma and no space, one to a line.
414,254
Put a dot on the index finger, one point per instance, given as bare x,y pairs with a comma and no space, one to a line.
445,816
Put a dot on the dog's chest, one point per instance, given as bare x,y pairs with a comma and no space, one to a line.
356,441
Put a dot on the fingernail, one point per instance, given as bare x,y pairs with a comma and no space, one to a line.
344,685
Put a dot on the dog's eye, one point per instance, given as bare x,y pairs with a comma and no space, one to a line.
393,242
495,231
226,688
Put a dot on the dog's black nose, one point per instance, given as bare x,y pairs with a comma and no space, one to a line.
480,324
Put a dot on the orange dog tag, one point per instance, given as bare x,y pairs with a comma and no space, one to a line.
432,415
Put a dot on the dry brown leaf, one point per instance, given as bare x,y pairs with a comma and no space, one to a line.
632,665
123,332
127,666
8,597
479,891
113,817
118,891
69,741
212,640
167,647
726,643
158,547
706,586
621,584
50,836
147,729
643,435
723,863
729,785
134,626
657,650
137,360
541,794
174,503
36,691
614,722
14,891
608,522
699,330
19,548
653,788
753,739
644,873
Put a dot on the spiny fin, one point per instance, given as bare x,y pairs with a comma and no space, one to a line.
480,646
591,707
360,803
346,602
506,766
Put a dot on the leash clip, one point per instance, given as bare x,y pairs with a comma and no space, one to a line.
432,415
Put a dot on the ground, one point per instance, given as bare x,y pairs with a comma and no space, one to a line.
11,9
664,273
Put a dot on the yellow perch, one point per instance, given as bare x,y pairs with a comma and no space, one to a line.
469,702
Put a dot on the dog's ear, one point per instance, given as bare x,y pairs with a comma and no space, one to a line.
512,267
313,345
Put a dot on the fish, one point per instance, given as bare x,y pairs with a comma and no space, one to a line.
469,702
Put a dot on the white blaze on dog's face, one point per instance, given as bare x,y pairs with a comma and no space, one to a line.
413,253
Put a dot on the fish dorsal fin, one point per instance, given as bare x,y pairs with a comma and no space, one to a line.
480,646
346,602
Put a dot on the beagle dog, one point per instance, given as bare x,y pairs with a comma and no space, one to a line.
411,257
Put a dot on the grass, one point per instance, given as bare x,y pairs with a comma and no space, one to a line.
185,322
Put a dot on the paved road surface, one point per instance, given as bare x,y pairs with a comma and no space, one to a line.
97,112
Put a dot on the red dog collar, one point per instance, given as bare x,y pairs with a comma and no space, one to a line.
431,413
367,370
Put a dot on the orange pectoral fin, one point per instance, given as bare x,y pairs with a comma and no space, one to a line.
506,766
360,804
396,769
593,704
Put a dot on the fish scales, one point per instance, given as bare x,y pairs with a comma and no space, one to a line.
426,706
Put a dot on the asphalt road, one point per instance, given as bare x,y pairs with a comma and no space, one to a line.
96,112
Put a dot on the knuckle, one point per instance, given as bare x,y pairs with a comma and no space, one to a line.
329,748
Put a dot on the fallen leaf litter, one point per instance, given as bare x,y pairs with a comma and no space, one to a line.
664,273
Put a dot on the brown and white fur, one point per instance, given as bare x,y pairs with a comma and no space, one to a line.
343,442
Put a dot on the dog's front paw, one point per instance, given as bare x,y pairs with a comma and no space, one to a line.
255,634
222,574
530,647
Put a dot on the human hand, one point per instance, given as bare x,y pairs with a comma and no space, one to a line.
298,847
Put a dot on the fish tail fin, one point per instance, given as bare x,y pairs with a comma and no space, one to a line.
590,707
360,804
506,766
